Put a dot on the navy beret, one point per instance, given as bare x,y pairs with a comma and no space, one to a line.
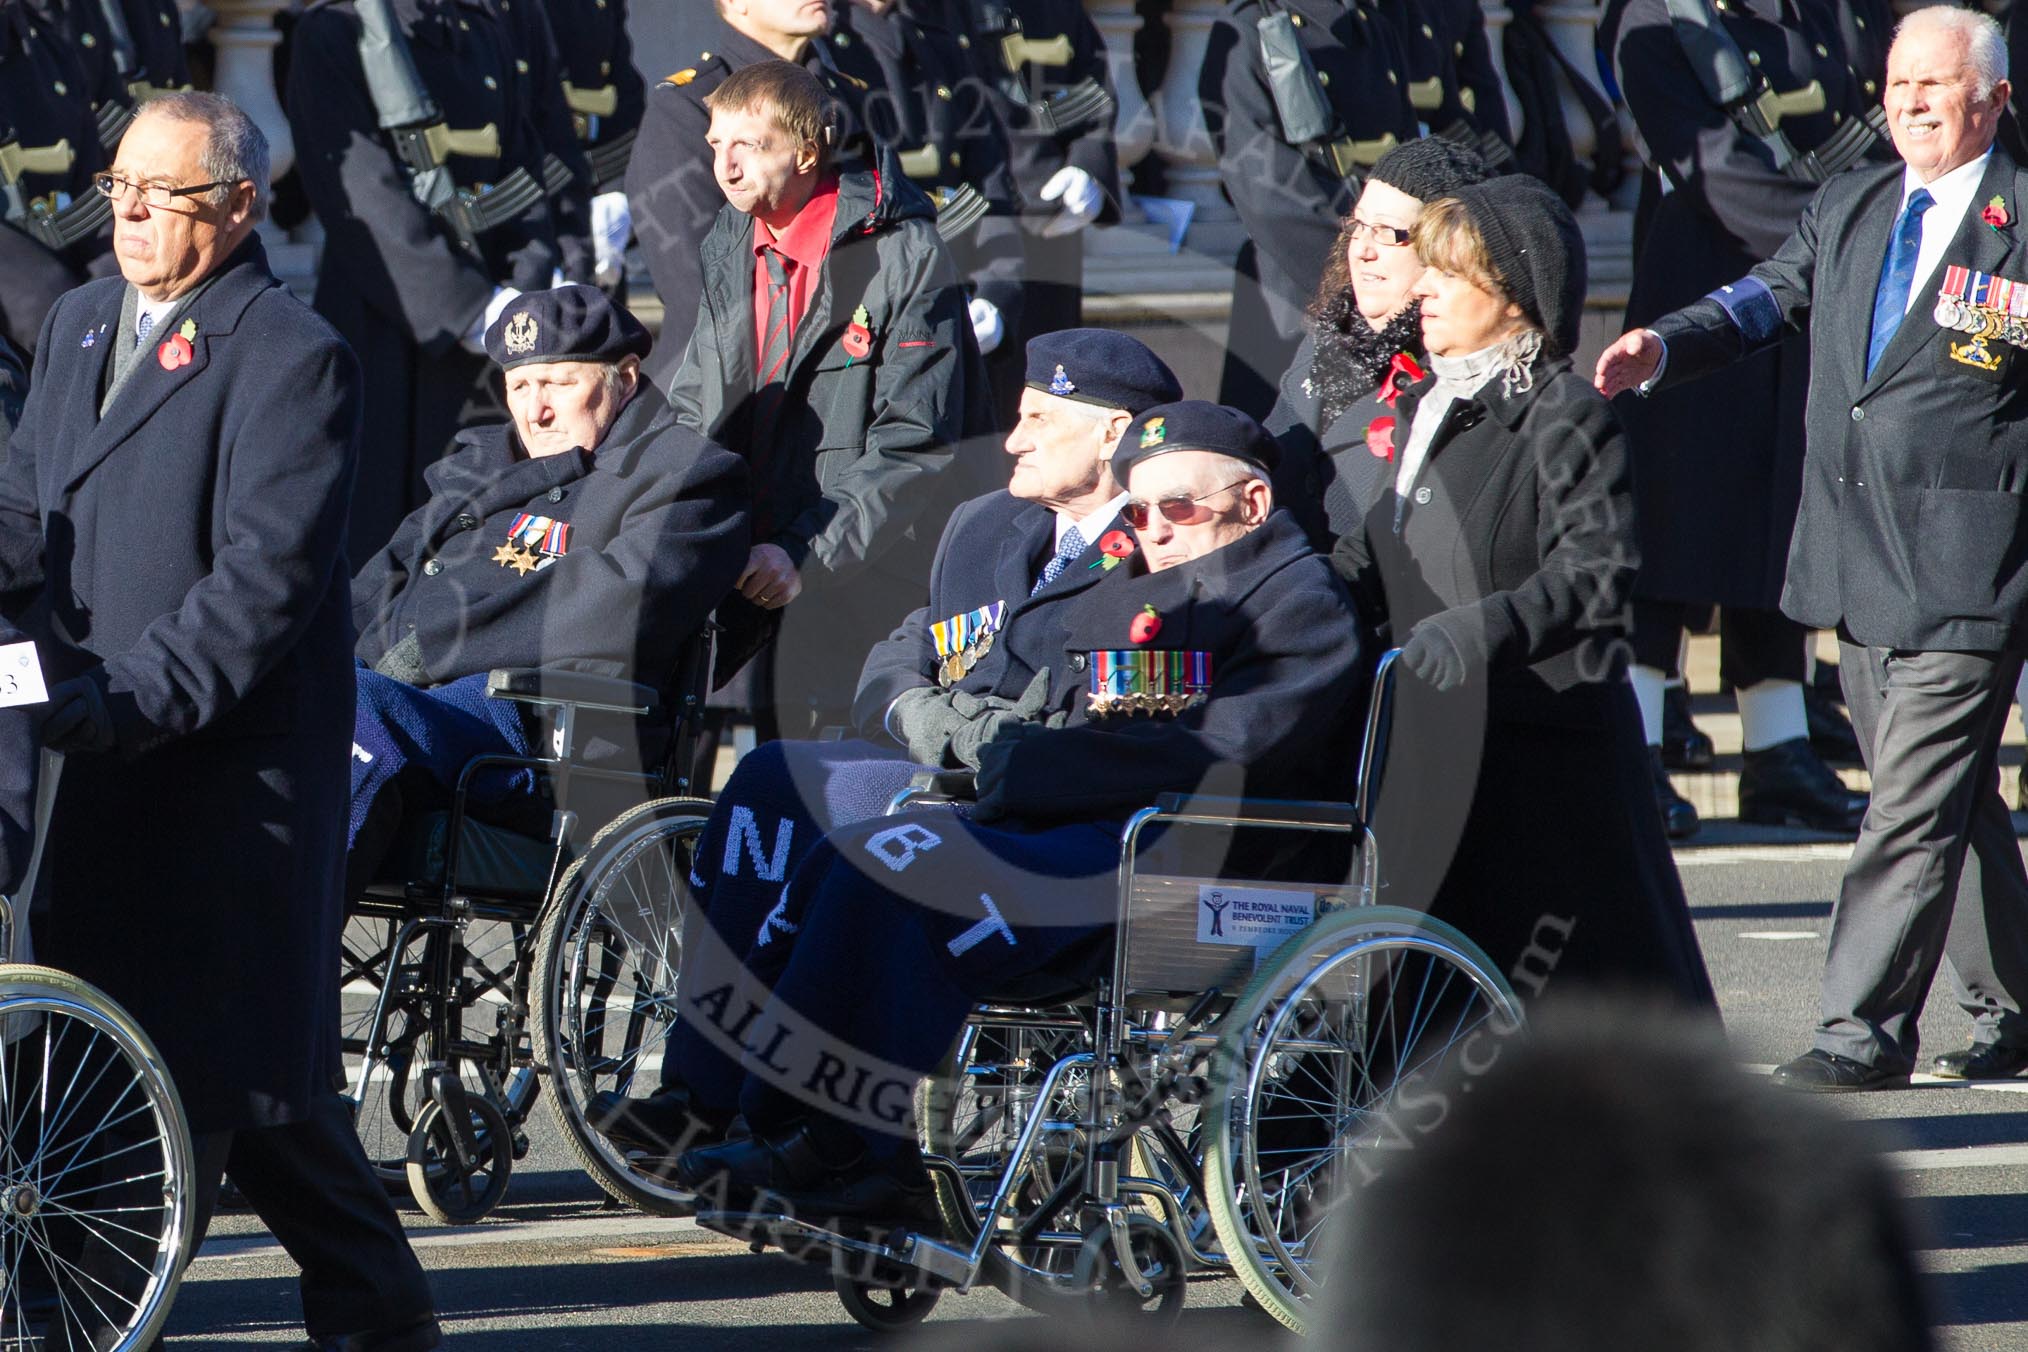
566,323
1098,366
1193,425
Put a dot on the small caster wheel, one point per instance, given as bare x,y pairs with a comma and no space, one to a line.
884,1309
450,1191
1108,1296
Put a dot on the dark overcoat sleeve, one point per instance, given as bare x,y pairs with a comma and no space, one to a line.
21,549
1289,679
1704,337
919,399
674,199
288,487
404,265
678,551
380,580
905,659
570,206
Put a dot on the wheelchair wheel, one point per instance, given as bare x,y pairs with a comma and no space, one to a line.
95,1178
385,1114
1339,1026
460,1187
1109,1298
605,970
884,1309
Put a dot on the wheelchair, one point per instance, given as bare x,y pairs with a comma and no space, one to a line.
96,1188
443,1053
1177,1109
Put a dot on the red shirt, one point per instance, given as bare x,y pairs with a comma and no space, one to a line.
802,247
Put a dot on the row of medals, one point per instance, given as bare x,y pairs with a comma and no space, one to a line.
964,659
1104,705
1981,321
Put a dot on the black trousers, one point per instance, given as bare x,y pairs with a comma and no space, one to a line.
310,1182
1753,645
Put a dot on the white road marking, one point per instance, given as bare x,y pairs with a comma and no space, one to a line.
227,1248
1777,935
1759,854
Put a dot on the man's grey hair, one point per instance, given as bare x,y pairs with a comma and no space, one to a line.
235,149
1984,42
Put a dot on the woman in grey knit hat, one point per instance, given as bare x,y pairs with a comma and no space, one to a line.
1363,326
1517,803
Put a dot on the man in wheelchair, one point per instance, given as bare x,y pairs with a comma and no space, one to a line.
595,534
1009,567
1226,660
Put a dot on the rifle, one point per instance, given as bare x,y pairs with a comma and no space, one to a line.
48,224
407,113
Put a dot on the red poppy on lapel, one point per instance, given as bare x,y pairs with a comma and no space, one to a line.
1380,436
1402,372
174,353
1116,543
1994,213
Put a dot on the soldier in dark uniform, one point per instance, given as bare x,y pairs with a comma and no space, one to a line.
1292,197
890,929
124,67
1715,527
1460,25
670,189
1044,63
396,279
56,225
605,95
594,533
987,650
913,88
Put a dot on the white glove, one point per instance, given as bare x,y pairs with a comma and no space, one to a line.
612,224
1081,197
987,326
474,340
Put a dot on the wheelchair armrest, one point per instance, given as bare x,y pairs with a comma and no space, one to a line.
1284,811
546,686
936,786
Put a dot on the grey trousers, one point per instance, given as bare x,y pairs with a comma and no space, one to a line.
1936,872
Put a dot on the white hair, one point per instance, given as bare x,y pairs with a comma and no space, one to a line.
1985,44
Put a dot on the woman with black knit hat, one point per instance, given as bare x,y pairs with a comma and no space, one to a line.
1499,558
1364,338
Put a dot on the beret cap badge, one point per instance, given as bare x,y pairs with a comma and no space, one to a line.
520,334
1154,434
1061,383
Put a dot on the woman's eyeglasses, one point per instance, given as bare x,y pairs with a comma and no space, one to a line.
154,194
1178,510
1380,234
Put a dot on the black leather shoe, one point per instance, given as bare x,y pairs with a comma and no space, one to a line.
1981,1061
1679,818
420,1336
665,1123
1831,734
785,1162
1789,785
1816,1072
1684,745
892,1194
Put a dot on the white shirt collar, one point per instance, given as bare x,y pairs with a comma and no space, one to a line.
1088,526
1953,192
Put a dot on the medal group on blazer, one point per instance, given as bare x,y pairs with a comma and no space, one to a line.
1985,307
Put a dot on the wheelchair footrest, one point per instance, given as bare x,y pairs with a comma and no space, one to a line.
912,1257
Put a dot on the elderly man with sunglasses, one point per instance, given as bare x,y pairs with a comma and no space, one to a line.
172,521
1225,659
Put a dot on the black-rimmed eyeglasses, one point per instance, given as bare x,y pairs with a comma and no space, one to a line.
154,194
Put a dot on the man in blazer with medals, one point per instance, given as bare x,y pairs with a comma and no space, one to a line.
1910,542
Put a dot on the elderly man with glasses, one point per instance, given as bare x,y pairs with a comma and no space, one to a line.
1226,659
172,520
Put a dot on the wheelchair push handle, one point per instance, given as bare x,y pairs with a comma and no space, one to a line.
1379,721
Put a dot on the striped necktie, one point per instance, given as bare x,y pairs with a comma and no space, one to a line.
1067,550
774,360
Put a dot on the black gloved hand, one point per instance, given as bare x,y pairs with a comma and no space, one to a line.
994,758
923,720
76,719
991,722
403,662
1433,655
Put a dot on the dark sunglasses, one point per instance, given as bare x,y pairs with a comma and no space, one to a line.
1178,510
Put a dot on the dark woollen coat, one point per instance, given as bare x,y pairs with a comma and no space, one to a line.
992,552
188,552
848,484
1518,805
1721,463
